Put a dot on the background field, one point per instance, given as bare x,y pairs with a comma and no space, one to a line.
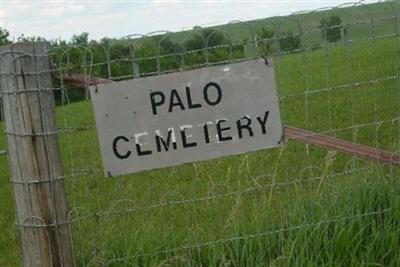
293,206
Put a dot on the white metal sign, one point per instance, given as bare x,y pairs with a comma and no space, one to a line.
194,115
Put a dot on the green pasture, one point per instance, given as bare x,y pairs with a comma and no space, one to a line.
297,205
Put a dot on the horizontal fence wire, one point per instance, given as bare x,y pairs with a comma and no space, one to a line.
214,197
340,79
347,219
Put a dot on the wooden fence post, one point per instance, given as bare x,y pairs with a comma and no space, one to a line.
34,157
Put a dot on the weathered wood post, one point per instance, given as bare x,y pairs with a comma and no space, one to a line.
34,156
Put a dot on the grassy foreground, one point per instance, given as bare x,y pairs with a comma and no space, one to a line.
293,206
297,205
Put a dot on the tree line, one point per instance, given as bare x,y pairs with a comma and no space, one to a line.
129,58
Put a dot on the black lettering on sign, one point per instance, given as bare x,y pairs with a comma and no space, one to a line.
175,100
244,125
184,136
155,102
140,152
263,122
139,145
220,130
206,133
170,139
206,93
189,99
115,149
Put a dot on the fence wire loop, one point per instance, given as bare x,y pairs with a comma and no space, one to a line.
341,80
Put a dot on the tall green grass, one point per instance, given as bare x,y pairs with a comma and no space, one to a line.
293,206
298,205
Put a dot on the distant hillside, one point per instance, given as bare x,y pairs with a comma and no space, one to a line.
361,21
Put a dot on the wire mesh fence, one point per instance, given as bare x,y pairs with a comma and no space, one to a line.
294,205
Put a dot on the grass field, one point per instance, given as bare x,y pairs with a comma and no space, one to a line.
293,206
